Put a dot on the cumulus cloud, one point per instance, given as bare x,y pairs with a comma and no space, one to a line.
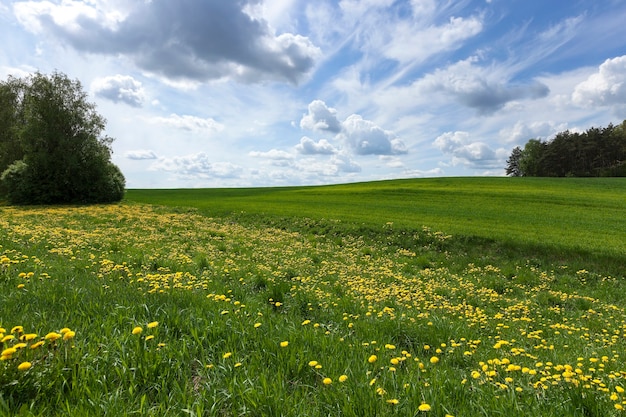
464,151
196,40
334,166
308,146
320,117
140,154
119,88
197,166
274,157
361,136
191,123
482,89
521,132
364,137
607,87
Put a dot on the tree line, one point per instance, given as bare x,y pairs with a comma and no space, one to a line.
51,145
597,152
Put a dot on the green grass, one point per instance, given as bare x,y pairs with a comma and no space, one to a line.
520,323
532,217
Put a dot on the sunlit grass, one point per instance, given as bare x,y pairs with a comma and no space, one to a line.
172,312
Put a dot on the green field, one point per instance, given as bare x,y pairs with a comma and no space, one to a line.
430,297
584,216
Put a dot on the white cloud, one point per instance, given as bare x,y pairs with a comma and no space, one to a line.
476,155
140,154
521,132
274,154
607,87
197,166
410,42
119,88
308,146
364,137
195,41
483,89
191,123
333,167
320,117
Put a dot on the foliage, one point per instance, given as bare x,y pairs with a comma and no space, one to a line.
53,151
173,312
513,167
598,152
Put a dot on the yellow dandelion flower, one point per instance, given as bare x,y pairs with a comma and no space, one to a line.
20,345
313,363
52,336
424,407
619,389
149,337
389,346
36,345
28,337
618,406
24,366
137,330
373,381
237,365
394,361
8,352
393,401
434,359
327,381
69,335
227,355
64,330
381,391
343,378
284,344
17,329
372,359
20,286
7,338
257,325
153,324
305,322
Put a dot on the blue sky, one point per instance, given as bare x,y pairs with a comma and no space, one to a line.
232,93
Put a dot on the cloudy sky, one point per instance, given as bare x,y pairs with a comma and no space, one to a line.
230,93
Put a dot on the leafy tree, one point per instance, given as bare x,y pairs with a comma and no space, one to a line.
513,163
54,143
596,152
530,162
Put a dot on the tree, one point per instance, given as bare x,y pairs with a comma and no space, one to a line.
596,152
57,151
513,163
530,162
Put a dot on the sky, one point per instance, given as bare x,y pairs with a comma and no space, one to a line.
254,93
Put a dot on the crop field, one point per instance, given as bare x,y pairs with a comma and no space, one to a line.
374,299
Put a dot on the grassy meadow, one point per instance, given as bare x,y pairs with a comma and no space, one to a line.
435,297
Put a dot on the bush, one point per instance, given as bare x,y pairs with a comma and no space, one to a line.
15,183
59,154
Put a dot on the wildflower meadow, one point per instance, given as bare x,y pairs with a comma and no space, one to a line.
137,309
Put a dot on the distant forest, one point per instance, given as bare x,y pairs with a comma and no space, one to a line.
598,152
